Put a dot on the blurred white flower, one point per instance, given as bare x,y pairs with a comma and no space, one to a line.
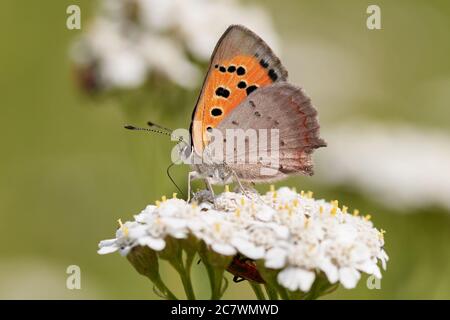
301,237
401,166
129,39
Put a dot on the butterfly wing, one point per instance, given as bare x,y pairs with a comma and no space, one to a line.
279,106
240,64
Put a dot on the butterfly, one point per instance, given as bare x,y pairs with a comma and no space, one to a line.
245,89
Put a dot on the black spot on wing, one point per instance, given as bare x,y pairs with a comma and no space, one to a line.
250,89
222,92
242,85
231,69
240,71
263,63
273,75
216,112
222,69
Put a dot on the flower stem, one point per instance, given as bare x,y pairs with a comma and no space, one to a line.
218,277
157,281
215,276
271,292
297,295
215,265
185,278
187,272
270,276
257,289
145,261
283,293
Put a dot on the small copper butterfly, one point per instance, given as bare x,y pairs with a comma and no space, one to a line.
244,97
246,88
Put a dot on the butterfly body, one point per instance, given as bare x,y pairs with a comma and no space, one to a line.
246,99
216,173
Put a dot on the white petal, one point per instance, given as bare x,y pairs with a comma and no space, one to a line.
224,249
384,257
331,271
107,249
345,233
137,231
153,243
349,277
370,268
275,258
106,243
141,217
248,249
265,213
286,194
296,278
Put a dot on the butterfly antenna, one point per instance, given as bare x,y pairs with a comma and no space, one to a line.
131,127
154,125
171,179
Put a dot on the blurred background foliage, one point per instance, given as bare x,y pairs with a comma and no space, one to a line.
69,170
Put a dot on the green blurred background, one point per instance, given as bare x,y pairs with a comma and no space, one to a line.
69,171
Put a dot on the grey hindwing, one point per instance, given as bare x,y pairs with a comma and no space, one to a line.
279,106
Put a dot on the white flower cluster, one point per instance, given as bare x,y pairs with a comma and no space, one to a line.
291,232
129,39
402,166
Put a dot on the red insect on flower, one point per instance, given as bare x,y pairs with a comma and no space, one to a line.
244,269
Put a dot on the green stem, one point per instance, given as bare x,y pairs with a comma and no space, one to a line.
215,275
185,279
187,271
210,271
218,278
257,289
157,281
271,292
283,293
215,265
297,295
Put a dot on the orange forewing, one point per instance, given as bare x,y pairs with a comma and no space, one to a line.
233,88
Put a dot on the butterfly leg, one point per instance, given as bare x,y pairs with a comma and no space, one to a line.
210,189
241,186
191,176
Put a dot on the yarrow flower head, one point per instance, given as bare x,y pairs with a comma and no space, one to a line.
129,40
289,239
